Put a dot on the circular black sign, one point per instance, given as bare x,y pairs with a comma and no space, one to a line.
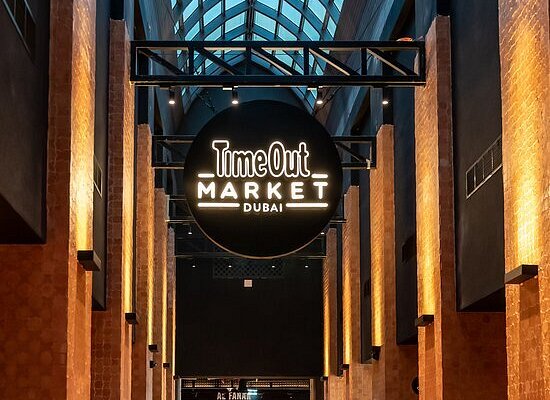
263,179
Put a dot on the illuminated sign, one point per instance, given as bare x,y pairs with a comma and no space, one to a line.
262,179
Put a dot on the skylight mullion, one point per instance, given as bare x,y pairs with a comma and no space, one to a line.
332,9
224,19
201,20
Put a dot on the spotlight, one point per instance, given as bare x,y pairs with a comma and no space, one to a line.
189,232
306,266
320,98
229,266
273,266
234,96
385,102
193,266
172,97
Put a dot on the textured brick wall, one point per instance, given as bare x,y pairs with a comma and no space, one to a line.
392,374
111,335
356,383
159,301
464,350
45,295
80,197
358,377
141,373
525,77
335,386
170,313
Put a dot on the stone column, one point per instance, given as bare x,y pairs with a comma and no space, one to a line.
170,314
334,385
393,372
142,385
111,335
158,297
358,377
46,300
460,351
525,77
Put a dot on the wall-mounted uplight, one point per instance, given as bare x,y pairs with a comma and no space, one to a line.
171,97
234,96
89,260
521,274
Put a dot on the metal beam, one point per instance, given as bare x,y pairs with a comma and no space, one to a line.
340,73
362,162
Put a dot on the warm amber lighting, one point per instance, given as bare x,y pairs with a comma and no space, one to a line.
128,215
150,273
164,311
82,145
347,312
522,156
326,320
427,211
377,263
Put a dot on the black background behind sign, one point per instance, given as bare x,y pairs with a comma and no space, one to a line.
254,126
274,329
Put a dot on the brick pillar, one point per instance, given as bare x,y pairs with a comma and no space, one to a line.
459,351
159,300
525,77
334,385
358,377
45,294
111,335
141,373
170,314
393,373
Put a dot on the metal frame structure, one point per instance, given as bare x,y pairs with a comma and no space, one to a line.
340,71
170,143
235,64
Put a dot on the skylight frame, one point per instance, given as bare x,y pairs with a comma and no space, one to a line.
249,30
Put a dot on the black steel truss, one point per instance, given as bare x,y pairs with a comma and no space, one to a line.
349,63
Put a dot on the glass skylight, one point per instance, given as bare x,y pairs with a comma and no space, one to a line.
264,20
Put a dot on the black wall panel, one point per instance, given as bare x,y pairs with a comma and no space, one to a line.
100,148
405,201
477,124
23,121
366,304
273,329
